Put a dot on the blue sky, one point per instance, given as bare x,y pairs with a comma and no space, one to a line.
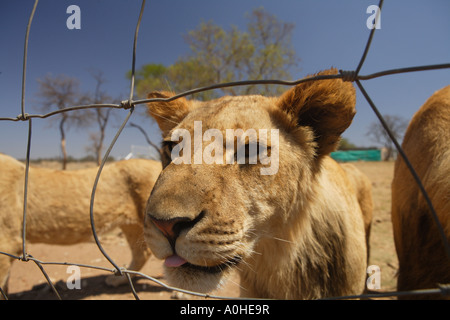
327,33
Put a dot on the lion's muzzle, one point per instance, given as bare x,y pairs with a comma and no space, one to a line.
171,228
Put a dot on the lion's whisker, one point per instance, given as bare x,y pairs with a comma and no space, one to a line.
283,240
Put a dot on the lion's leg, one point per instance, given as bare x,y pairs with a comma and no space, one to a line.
5,266
139,252
11,245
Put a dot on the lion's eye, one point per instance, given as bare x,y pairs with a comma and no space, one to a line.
252,153
168,145
247,154
166,154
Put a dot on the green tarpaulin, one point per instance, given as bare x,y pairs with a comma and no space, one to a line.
357,155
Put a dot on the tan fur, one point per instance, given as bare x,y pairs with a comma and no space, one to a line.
363,188
58,205
423,262
297,234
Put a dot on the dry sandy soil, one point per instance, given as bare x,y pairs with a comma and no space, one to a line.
28,282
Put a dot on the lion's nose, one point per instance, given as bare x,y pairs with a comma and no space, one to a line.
171,228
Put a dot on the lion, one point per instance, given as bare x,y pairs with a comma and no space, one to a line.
423,261
294,231
363,187
58,206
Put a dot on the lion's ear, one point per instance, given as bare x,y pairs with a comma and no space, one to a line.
327,106
167,113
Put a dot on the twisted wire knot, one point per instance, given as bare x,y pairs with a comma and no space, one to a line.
126,104
118,272
348,75
23,116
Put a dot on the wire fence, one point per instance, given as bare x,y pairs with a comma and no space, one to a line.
130,104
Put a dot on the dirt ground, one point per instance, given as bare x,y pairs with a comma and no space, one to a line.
28,282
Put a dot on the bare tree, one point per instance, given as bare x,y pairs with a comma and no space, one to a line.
101,115
58,93
377,133
150,142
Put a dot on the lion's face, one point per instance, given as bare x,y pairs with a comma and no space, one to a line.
205,218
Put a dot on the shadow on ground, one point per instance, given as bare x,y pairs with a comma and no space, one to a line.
92,287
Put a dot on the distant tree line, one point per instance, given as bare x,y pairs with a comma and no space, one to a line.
86,158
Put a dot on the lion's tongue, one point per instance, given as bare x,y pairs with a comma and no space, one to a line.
174,261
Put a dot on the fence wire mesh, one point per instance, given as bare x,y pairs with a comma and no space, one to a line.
130,104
